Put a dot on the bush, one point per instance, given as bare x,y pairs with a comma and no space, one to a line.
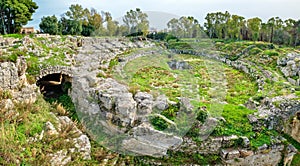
255,51
202,116
5,94
9,58
271,53
135,34
179,45
157,36
17,36
171,37
158,123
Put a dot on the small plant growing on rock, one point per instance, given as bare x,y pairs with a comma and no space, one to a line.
202,115
5,94
159,123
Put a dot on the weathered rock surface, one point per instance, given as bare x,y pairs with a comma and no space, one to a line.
60,158
290,67
178,65
293,128
151,142
144,104
17,90
81,143
109,105
14,82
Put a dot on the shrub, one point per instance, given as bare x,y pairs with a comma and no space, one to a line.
255,51
157,36
202,115
5,94
17,36
159,123
271,53
171,37
9,58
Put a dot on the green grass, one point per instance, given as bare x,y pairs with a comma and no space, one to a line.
16,36
5,94
15,131
292,141
296,160
57,56
33,67
151,73
236,121
239,91
67,104
260,138
156,77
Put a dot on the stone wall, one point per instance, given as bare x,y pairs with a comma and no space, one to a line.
65,70
231,154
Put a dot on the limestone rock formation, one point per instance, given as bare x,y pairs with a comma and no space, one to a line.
65,127
178,65
108,107
144,104
290,67
147,141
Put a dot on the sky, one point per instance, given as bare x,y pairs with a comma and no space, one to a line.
162,10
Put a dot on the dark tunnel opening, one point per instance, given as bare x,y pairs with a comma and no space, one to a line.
55,88
54,85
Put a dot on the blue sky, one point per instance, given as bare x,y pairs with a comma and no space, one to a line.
197,8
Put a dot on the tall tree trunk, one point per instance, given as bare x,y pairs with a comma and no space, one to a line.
272,33
296,39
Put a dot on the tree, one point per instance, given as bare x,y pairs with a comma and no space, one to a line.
235,24
274,24
87,30
136,21
184,27
70,27
111,26
297,32
73,20
289,28
264,32
217,24
174,27
76,12
95,19
210,25
49,25
121,30
15,14
254,25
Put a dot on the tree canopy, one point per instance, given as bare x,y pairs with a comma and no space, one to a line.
82,21
275,30
49,25
136,21
187,27
15,14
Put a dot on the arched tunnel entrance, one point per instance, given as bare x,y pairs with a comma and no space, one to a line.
54,85
55,89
